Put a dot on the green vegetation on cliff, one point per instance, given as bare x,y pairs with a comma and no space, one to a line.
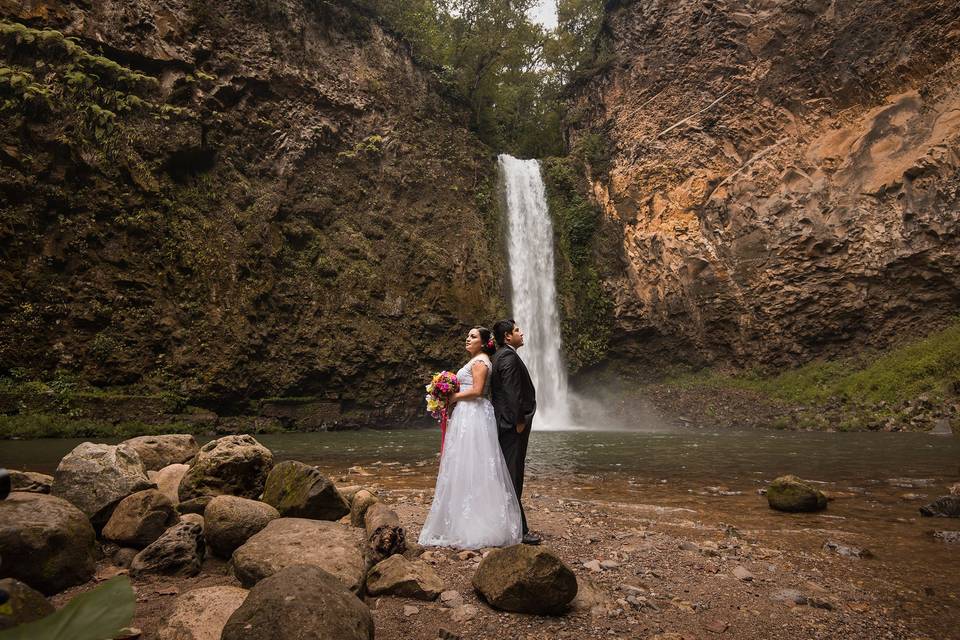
906,387
585,308
510,70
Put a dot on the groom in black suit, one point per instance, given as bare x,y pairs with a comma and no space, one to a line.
514,403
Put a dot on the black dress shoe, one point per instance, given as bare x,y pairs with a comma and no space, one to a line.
530,538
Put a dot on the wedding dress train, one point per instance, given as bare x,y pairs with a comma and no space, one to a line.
474,504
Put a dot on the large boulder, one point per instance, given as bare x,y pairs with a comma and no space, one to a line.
301,491
200,614
230,521
300,602
178,552
525,579
942,507
24,604
228,466
30,482
45,542
397,576
140,518
284,542
168,480
95,477
157,452
790,493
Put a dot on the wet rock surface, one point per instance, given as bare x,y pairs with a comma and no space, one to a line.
45,542
791,494
942,507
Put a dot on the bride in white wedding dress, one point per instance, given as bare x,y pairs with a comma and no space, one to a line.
474,504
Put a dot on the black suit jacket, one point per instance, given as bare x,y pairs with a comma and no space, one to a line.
511,390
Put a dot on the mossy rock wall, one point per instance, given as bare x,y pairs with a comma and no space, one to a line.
252,201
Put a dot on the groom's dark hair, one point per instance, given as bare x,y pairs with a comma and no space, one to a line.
502,328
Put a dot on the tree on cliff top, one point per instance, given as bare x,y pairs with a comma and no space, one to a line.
509,69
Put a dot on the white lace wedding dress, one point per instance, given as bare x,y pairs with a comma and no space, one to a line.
474,504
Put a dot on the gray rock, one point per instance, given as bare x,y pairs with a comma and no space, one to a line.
201,614
791,494
230,521
168,480
942,507
846,551
178,552
397,576
284,542
950,537
46,542
525,579
297,490
157,452
232,466
25,604
300,602
140,518
30,482
96,477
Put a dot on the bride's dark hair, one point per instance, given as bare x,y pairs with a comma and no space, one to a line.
486,340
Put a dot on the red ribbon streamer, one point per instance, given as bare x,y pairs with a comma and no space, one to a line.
443,428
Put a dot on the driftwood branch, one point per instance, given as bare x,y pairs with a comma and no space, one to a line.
385,536
691,117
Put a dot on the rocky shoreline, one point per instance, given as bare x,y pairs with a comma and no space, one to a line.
219,540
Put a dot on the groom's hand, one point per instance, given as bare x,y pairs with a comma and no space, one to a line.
521,427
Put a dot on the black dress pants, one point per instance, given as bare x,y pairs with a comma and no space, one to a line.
514,447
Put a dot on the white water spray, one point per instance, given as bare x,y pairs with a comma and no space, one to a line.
534,299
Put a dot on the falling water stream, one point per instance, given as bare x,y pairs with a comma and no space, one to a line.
534,294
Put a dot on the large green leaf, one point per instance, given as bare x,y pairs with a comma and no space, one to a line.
96,615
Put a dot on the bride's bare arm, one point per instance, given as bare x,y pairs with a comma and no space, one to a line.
479,371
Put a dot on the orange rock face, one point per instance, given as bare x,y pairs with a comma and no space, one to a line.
786,175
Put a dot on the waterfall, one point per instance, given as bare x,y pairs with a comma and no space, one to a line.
534,293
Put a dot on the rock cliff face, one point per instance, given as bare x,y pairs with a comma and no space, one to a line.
786,174
236,200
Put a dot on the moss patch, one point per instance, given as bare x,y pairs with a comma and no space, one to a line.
586,311
909,387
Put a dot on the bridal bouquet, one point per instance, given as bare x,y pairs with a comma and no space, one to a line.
442,386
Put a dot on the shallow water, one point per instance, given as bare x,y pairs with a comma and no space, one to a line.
716,475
